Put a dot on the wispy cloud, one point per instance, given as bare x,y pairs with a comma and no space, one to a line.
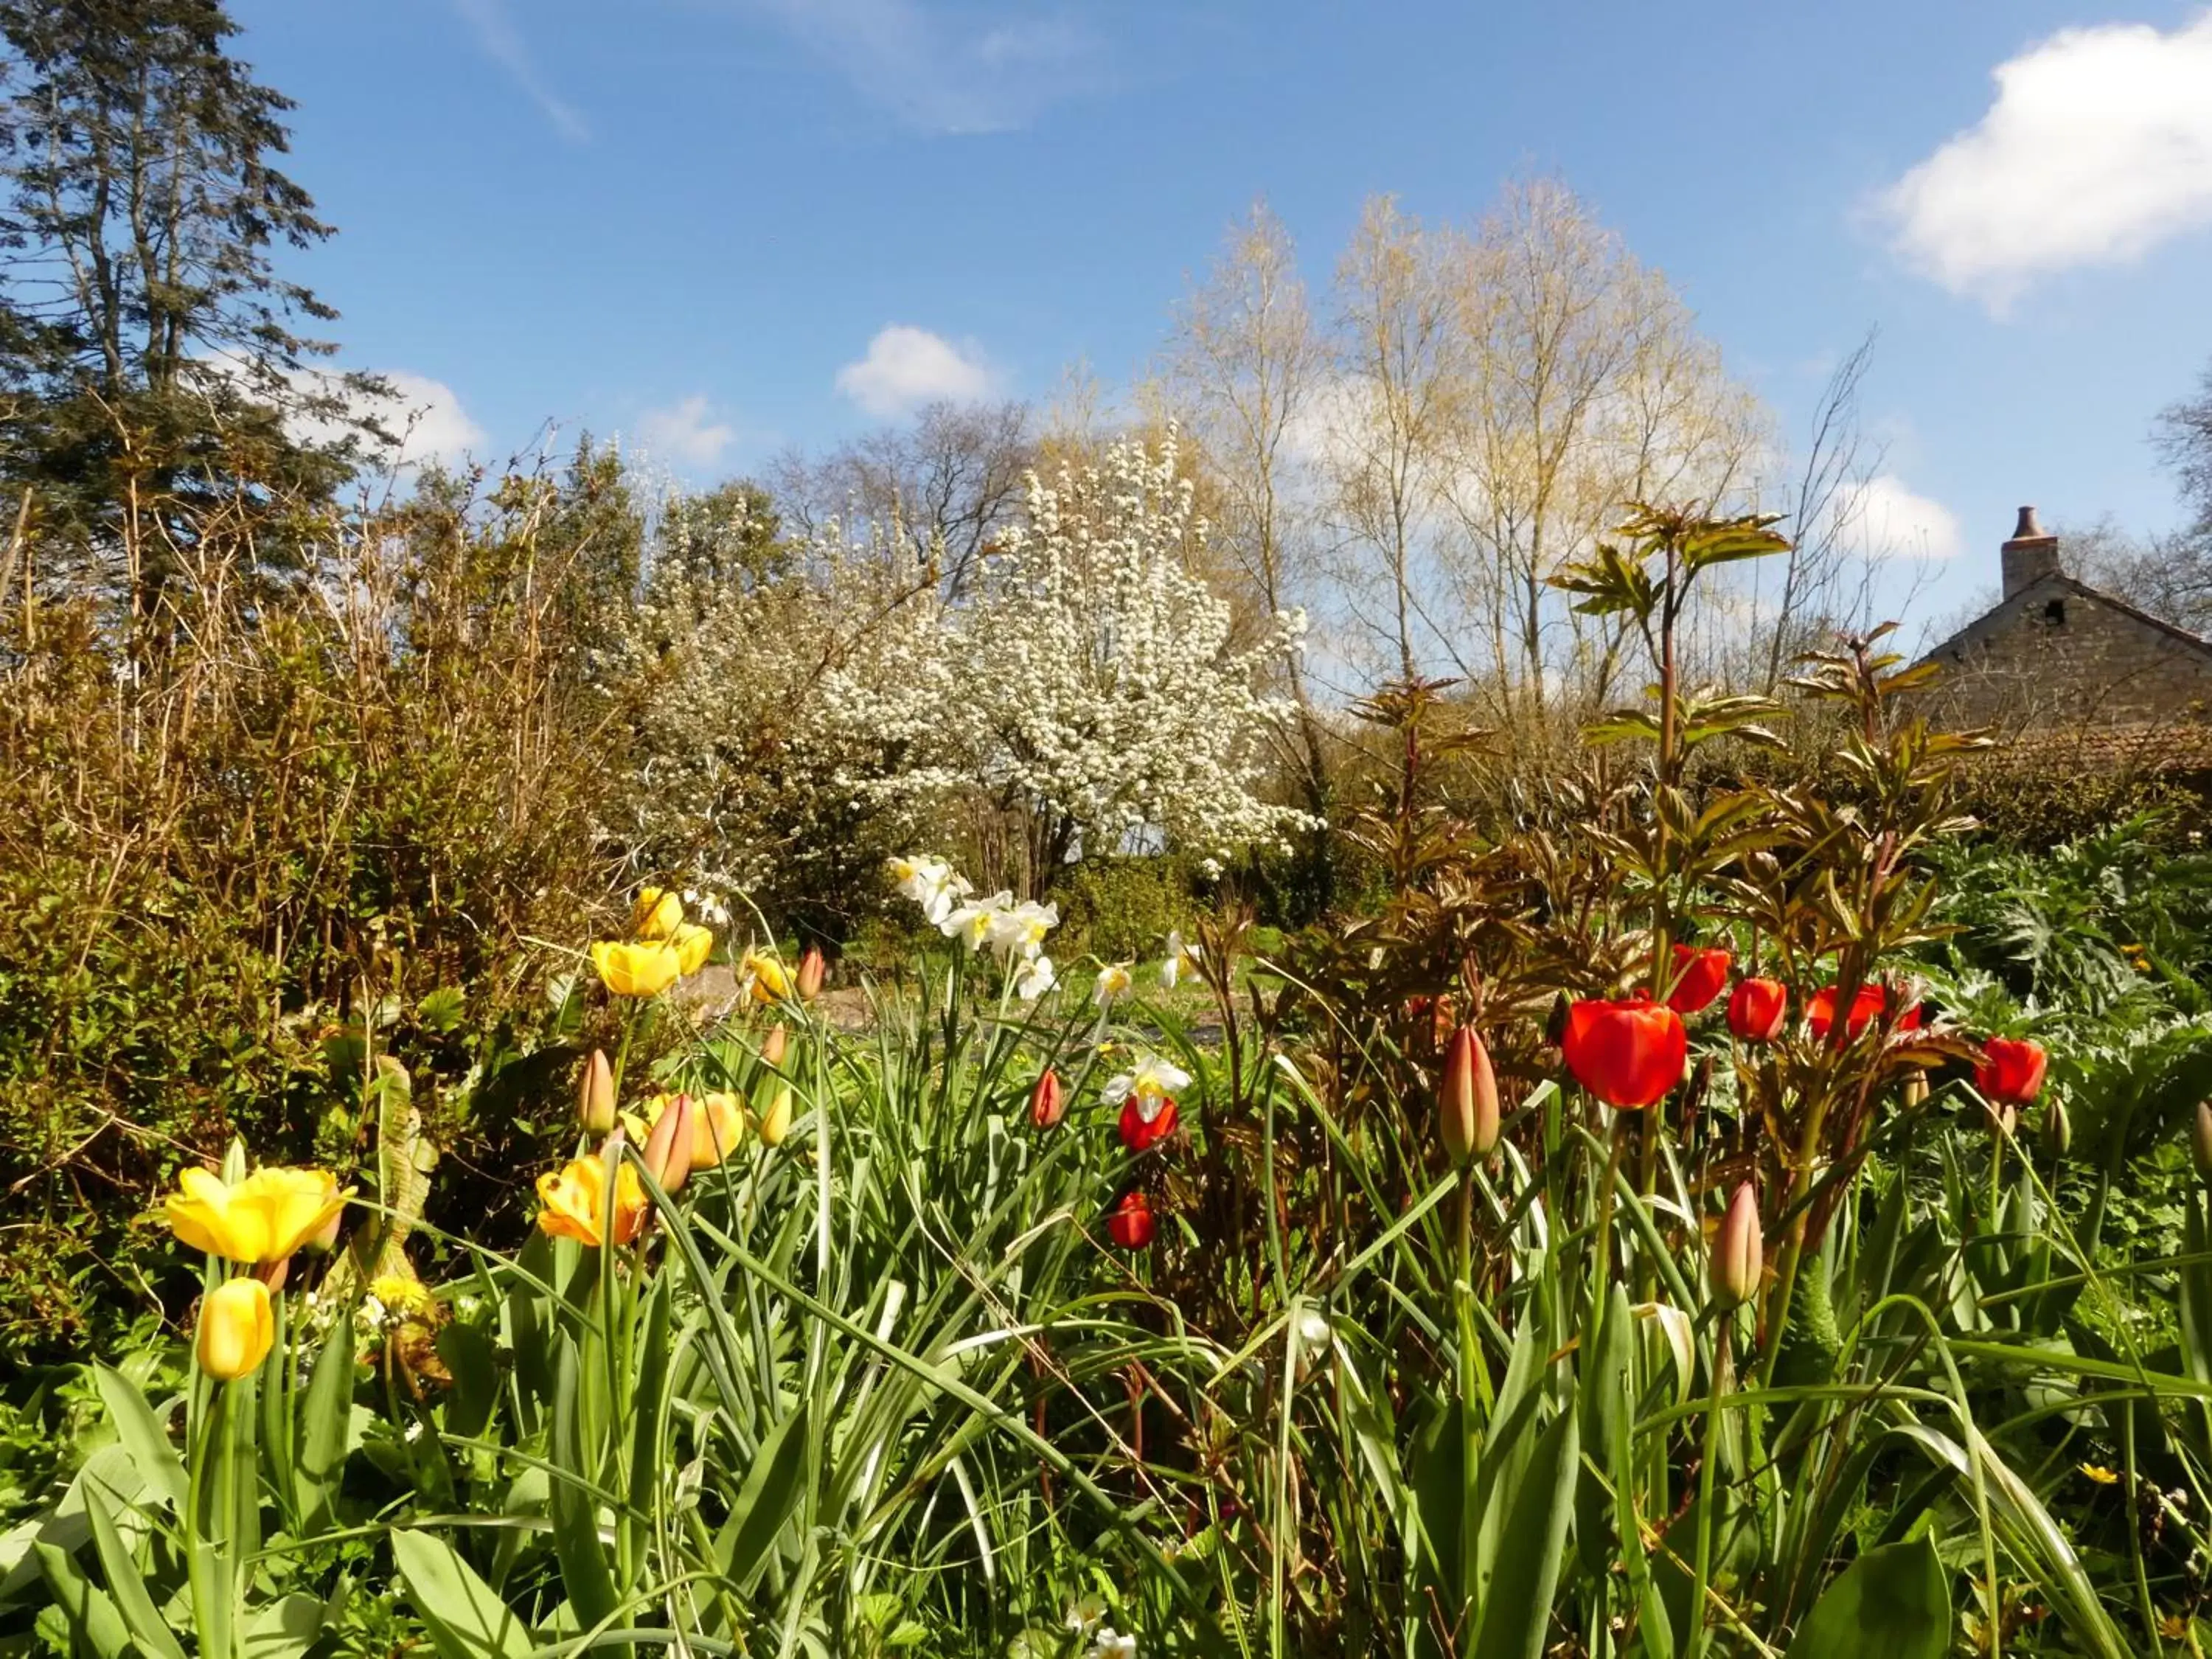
968,70
908,366
1882,518
2097,148
686,433
504,44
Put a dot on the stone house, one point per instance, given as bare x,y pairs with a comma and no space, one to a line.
2056,653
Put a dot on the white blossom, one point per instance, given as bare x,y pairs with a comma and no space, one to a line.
1038,975
1111,1645
1114,981
1150,1081
972,923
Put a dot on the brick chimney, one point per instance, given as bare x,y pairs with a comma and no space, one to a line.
2030,556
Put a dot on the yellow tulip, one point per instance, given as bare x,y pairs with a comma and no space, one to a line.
775,1122
237,1325
693,945
718,1124
636,971
770,981
265,1217
573,1202
657,915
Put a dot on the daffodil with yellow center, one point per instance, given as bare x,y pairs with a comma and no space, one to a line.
265,1217
694,944
237,1327
659,914
637,970
573,1202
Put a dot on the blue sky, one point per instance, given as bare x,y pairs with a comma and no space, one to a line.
687,220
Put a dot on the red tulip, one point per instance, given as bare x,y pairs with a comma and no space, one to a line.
1046,1104
1866,1007
1756,1009
2011,1071
1137,1134
1699,976
1467,1104
1627,1053
1130,1225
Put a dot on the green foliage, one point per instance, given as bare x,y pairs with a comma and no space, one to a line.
1120,909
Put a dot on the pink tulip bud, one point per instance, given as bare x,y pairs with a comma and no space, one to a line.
772,1049
668,1148
1467,1104
812,968
1739,1251
595,1095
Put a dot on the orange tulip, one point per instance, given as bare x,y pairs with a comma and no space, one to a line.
668,1147
1046,1104
1467,1104
811,969
772,1046
595,1095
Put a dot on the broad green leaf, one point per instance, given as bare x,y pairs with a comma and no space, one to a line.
576,1544
285,1629
141,1433
1517,1611
765,1502
326,1415
127,1586
465,1618
1893,1601
91,1617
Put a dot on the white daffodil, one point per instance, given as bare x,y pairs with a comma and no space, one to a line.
972,923
1020,930
1180,964
1036,978
929,882
708,906
1114,981
1149,1081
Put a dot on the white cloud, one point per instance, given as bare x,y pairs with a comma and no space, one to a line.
1882,518
429,421
685,434
2098,148
908,366
504,45
944,73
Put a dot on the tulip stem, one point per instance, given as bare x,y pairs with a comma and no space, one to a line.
1793,1242
1723,1377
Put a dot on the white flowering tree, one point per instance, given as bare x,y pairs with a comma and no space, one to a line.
1088,687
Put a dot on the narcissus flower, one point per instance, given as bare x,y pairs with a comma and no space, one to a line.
1180,963
2011,1071
573,1202
1756,1009
972,923
1114,982
812,969
1047,1104
637,970
237,1325
1148,1079
265,1217
1145,1122
595,1096
929,882
1868,1003
1699,976
1130,1225
1019,930
1739,1251
1466,1103
694,945
1627,1053
1036,977
657,913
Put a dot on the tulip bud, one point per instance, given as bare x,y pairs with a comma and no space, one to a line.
1916,1088
2057,1129
2200,1140
1555,1023
812,968
668,1149
775,1122
772,1048
1739,1252
1467,1104
2002,1119
1046,1103
237,1327
595,1095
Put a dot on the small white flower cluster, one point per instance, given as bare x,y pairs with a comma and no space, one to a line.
1014,933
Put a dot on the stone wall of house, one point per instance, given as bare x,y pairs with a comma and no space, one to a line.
2061,655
